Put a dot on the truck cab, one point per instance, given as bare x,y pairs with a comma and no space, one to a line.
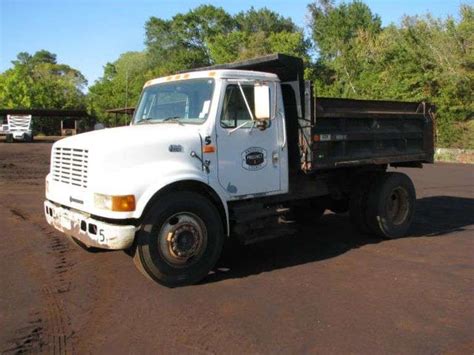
220,131
209,154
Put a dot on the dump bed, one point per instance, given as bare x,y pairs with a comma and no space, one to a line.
348,132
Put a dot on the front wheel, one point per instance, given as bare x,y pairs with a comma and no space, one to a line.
180,240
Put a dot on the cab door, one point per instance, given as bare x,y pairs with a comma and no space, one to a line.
248,156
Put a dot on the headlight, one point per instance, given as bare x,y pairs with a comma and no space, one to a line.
115,203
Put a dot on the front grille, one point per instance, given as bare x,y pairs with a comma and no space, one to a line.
69,166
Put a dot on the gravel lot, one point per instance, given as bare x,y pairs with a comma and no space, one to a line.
326,289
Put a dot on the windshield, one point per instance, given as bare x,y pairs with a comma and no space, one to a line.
186,101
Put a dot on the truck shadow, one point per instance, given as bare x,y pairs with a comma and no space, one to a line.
334,235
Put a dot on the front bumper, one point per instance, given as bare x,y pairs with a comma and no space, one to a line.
90,231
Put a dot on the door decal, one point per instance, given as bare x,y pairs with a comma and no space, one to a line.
254,158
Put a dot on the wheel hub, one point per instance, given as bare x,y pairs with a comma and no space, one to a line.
398,205
184,241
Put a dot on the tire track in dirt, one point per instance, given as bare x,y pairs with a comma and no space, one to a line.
50,329
29,339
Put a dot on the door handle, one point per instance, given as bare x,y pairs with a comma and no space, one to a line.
283,122
275,157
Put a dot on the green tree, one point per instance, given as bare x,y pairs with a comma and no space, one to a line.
38,81
263,20
120,86
208,35
334,27
423,58
184,38
334,32
259,32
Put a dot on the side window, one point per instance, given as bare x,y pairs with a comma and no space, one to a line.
234,111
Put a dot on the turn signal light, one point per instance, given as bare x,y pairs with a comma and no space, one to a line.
123,203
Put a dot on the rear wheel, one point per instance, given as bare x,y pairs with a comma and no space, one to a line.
391,205
180,240
358,201
9,138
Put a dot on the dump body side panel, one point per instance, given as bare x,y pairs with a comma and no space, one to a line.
362,132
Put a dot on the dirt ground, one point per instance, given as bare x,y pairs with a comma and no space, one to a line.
325,289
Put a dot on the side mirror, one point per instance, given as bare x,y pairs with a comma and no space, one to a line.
262,102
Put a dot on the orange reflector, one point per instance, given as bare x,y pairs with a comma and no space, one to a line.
169,78
209,149
123,203
212,73
185,76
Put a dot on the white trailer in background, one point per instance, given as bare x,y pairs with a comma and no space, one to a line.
19,128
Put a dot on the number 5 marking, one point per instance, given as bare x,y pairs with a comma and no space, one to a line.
101,235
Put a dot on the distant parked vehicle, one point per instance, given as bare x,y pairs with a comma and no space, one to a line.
18,128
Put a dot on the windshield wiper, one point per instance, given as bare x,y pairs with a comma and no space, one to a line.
171,118
160,120
144,120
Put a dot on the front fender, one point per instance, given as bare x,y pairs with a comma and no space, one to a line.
146,181
162,184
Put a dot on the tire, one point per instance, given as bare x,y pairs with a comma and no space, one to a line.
358,202
9,138
391,205
180,240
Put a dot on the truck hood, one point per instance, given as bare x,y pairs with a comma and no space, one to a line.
130,136
110,151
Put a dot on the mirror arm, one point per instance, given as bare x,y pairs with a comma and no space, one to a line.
246,102
239,127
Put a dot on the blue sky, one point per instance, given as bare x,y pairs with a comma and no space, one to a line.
86,34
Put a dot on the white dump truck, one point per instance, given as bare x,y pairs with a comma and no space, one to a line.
239,150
